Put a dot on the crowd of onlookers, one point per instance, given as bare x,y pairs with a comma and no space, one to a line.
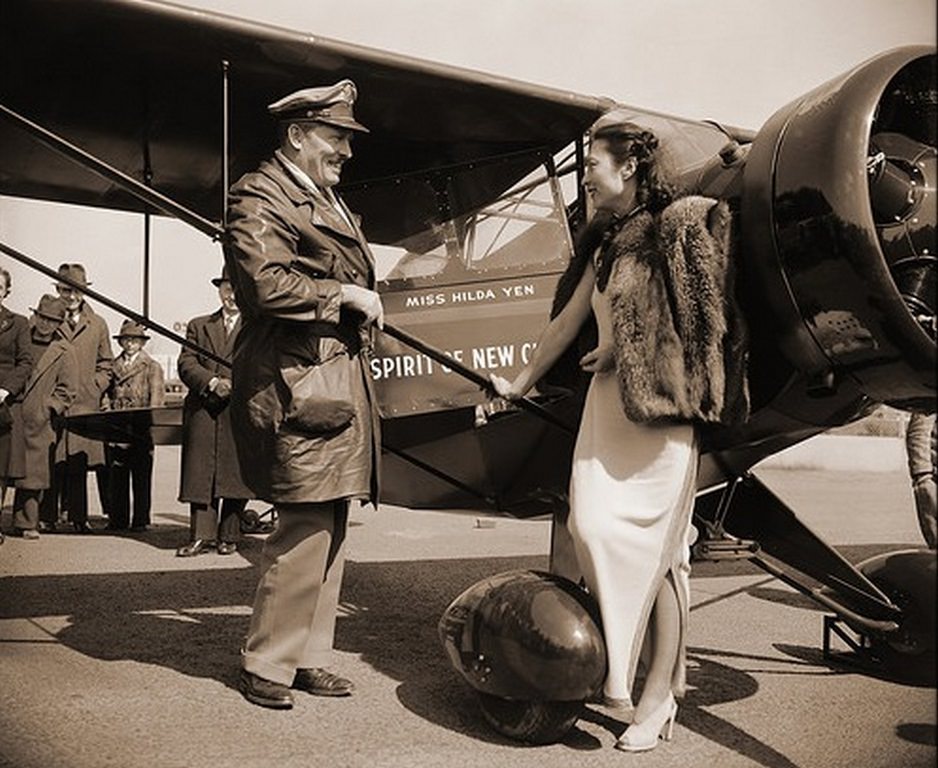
60,362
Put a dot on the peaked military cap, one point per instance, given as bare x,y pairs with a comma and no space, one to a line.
330,104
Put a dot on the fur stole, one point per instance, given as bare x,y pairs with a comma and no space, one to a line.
680,340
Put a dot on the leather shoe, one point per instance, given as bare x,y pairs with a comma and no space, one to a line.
264,693
227,547
321,682
193,548
82,528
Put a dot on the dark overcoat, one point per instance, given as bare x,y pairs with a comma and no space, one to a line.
92,343
289,252
52,387
15,364
210,468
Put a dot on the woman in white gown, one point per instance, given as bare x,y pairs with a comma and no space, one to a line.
634,466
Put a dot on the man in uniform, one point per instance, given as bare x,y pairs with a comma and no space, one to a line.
303,406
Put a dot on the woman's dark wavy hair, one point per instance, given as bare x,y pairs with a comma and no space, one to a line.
654,193
624,140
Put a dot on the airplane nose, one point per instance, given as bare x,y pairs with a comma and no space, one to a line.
839,188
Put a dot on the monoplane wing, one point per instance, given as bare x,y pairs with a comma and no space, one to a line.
143,85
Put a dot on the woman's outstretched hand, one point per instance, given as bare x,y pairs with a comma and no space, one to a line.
503,387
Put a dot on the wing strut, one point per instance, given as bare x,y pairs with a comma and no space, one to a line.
430,469
475,377
226,132
22,258
134,187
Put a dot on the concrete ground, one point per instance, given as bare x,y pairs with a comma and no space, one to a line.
113,652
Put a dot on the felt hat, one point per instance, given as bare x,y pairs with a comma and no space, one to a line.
75,273
133,330
225,277
51,307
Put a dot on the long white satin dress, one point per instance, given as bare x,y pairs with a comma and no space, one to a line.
631,498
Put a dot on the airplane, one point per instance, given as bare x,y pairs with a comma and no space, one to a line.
468,187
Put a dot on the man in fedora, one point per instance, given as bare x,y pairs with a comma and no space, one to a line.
303,405
210,479
136,382
75,455
50,389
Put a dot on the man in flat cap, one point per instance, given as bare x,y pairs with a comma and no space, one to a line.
136,382
302,406
50,391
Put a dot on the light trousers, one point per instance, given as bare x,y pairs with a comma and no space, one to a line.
293,624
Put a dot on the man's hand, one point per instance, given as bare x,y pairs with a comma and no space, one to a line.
366,301
503,388
222,388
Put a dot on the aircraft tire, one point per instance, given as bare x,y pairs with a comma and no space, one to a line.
908,579
250,521
533,722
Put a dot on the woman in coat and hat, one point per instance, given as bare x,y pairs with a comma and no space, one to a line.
50,390
210,480
15,364
136,382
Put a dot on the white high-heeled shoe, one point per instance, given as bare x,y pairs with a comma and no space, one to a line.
640,737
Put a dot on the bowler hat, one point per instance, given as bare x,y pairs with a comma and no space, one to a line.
75,273
330,104
225,277
51,307
132,329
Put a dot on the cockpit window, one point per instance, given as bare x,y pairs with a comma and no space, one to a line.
524,230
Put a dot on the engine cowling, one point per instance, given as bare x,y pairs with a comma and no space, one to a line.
838,210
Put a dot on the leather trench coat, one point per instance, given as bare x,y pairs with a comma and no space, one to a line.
288,253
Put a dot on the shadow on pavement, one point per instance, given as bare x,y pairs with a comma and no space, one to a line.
917,733
194,621
850,663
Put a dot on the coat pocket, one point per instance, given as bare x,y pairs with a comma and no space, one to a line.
321,395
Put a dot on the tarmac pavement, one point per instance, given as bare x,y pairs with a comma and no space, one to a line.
113,652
